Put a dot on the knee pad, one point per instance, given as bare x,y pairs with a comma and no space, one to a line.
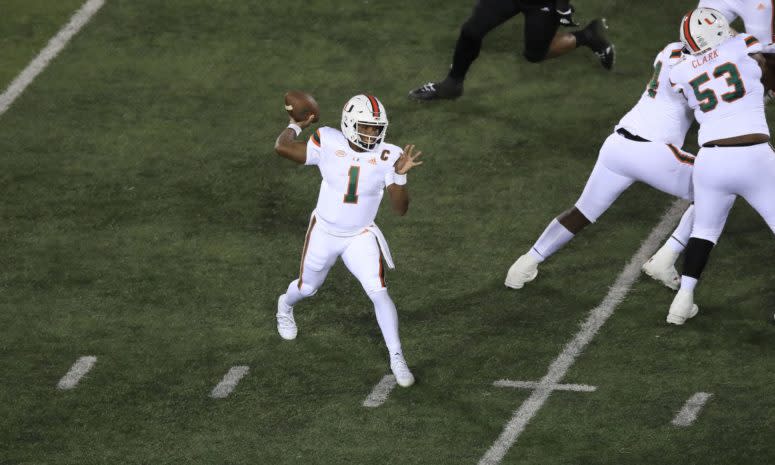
306,290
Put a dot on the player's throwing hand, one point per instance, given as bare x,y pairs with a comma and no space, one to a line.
305,123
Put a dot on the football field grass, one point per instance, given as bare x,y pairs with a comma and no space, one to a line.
146,221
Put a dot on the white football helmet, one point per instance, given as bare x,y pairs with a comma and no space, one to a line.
703,29
364,109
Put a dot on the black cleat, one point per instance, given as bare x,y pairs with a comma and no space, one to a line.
599,43
446,89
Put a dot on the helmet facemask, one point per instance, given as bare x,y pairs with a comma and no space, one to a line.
368,140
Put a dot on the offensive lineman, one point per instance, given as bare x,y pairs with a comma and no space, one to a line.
720,77
757,15
357,165
644,147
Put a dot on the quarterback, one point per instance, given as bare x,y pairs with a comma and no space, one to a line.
357,166
720,78
644,147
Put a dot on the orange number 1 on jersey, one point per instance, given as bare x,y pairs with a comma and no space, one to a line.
352,185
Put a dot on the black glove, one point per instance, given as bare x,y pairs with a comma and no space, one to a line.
566,17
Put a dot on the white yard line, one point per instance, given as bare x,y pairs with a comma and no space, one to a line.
77,371
597,317
55,45
691,409
229,382
380,392
537,385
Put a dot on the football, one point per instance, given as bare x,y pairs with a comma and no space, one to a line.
300,105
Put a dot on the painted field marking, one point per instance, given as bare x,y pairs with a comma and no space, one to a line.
596,319
538,385
55,45
691,409
229,382
77,371
380,392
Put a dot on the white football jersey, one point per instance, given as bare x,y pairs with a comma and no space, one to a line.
756,14
353,182
724,89
660,115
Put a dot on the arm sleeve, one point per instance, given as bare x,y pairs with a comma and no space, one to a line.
313,149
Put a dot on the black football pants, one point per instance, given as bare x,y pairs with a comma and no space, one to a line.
541,23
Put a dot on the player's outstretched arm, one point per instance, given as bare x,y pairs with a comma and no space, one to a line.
399,193
286,144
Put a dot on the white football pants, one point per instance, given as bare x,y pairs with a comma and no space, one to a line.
723,173
363,257
621,162
360,253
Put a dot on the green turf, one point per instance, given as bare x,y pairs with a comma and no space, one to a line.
146,220
25,28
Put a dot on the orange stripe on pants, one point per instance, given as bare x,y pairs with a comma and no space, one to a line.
381,269
304,251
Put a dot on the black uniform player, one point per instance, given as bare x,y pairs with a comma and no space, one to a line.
542,40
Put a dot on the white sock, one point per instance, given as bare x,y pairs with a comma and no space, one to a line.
293,295
553,238
387,318
688,283
535,255
667,251
680,236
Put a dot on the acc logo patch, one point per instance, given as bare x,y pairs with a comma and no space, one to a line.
340,153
